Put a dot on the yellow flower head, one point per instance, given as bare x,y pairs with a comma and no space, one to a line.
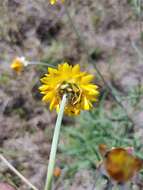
52,2
72,82
120,164
18,64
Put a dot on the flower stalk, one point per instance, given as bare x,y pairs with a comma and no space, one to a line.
41,63
50,171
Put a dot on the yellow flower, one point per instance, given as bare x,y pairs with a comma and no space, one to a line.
18,64
72,82
55,1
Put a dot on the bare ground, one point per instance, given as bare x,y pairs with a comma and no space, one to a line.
110,30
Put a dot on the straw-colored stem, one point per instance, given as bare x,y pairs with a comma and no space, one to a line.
48,184
26,181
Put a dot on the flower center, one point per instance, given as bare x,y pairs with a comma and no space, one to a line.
72,91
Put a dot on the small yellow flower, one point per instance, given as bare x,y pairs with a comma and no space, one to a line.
52,2
72,82
18,64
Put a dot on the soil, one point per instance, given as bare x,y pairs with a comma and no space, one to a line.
112,32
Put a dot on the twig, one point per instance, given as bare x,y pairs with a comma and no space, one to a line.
26,181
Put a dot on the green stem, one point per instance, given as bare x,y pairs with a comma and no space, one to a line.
41,63
52,158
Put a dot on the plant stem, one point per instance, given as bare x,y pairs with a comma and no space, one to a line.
40,63
17,173
48,184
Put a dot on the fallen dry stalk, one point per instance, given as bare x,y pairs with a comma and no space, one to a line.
26,181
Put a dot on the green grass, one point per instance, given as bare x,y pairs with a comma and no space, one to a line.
4,78
99,126
137,6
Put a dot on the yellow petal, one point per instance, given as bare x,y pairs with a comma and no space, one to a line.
57,108
87,79
44,88
63,66
53,104
93,92
90,87
48,96
86,104
44,79
52,71
76,69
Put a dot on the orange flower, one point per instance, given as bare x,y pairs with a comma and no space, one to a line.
57,172
120,164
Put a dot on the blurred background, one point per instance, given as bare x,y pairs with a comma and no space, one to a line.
112,32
